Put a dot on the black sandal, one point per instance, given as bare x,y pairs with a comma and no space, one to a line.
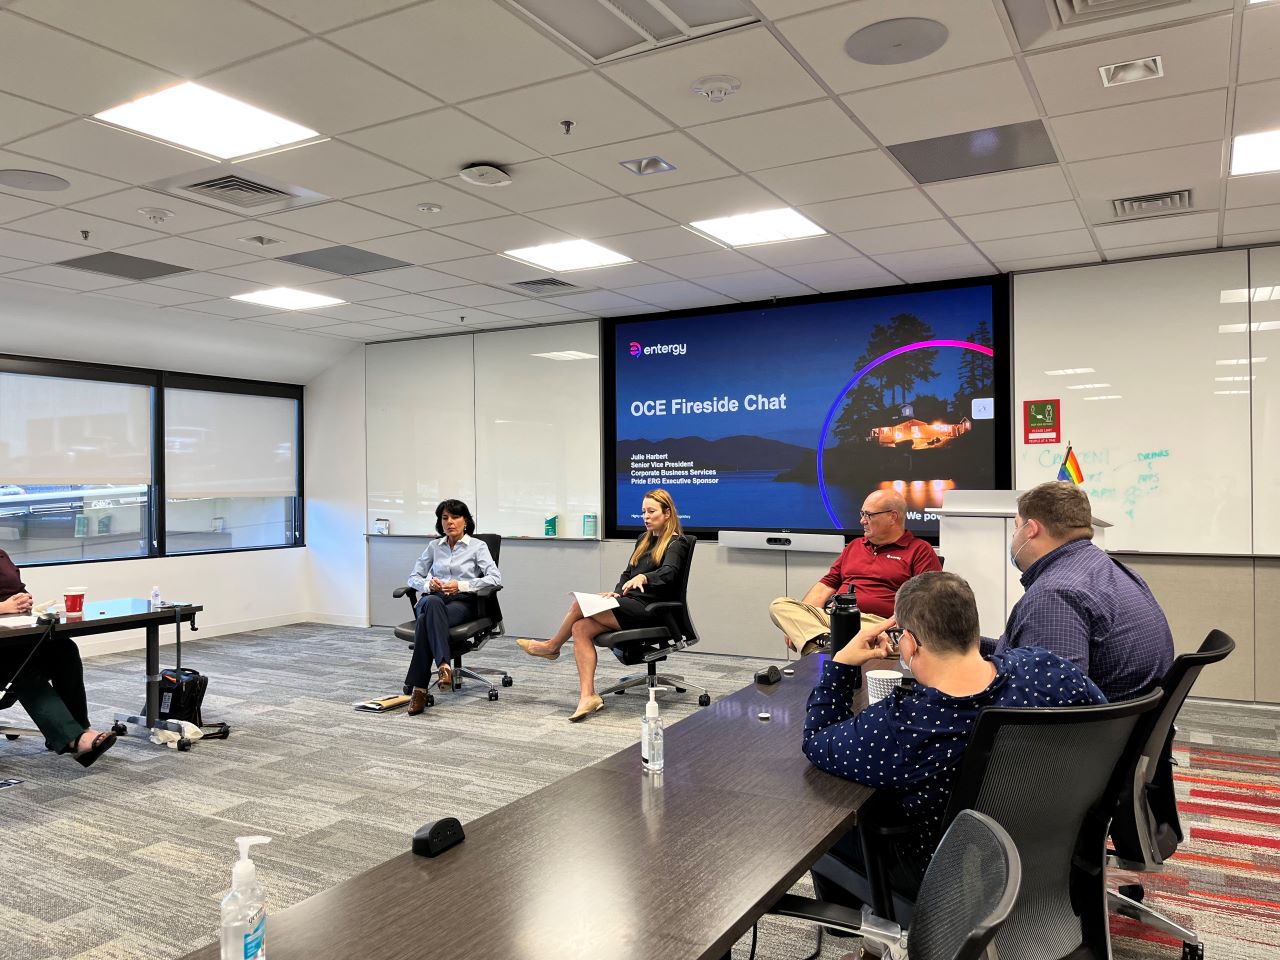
101,744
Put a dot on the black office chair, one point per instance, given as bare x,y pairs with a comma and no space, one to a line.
650,645
470,635
1050,776
967,893
1146,830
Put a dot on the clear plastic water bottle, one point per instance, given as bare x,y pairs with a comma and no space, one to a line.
651,735
155,598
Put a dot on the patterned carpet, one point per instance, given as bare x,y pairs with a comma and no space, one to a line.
128,860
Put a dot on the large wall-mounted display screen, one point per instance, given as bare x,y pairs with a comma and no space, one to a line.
785,416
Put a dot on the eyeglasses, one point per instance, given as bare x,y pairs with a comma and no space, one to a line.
867,516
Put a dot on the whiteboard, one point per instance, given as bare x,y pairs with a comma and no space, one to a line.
1264,341
1165,439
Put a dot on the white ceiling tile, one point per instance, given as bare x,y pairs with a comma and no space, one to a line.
276,273
975,98
489,268
320,17
1246,239
440,143
1196,167
934,273
602,218
835,177
210,284
231,236
526,309
125,204
833,276
351,290
596,300
600,111
321,87
667,242
65,225
26,246
1252,219
413,279
421,247
692,163
622,276
353,312
44,64
332,168
302,320
1158,230
170,39
82,185
537,185
1260,43
759,284
809,131
418,325
807,250
20,118
914,262
457,205
153,293
637,310
1022,222
770,76
410,303
356,331
339,222
67,277
1141,126
505,233
678,295
8,264
1045,263
713,198
477,295
15,208
1001,191
975,35
458,49
1255,190
1195,56
694,266
465,317
1256,108
1160,249
1045,245
109,152
908,236
876,210
188,253
777,9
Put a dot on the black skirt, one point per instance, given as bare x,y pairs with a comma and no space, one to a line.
633,613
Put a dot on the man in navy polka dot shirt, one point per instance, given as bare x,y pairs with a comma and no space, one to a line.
909,744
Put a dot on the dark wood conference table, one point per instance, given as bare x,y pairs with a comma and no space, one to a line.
112,616
610,861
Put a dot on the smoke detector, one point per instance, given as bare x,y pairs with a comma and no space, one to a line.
429,208
156,215
717,88
485,175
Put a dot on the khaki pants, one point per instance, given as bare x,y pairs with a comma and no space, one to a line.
802,622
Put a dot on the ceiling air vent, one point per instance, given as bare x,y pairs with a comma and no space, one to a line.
238,190
544,286
1042,23
1154,205
1075,11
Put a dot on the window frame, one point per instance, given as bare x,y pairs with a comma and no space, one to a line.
158,381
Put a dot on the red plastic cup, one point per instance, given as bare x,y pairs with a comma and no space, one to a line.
73,599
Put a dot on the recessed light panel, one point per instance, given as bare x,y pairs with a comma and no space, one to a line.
1255,153
195,117
1148,68
284,298
567,255
764,226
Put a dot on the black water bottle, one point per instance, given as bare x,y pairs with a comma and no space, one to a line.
845,623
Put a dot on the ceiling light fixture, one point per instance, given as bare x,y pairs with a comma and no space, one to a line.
567,255
1255,153
1069,371
901,40
285,298
485,175
645,166
763,226
203,120
1148,68
32,180
717,88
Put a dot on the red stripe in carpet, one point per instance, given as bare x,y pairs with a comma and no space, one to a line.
1229,813
1242,839
1230,796
1215,781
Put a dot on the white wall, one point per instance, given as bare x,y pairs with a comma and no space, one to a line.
334,485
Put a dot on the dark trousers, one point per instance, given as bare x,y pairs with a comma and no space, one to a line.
905,873
436,614
51,690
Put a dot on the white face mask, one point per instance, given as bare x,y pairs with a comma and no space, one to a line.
1013,554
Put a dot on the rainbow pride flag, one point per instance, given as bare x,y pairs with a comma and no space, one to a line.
1071,468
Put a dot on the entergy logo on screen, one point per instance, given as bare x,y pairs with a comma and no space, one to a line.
636,349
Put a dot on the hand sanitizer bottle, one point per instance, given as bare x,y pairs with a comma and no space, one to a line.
244,909
155,598
651,734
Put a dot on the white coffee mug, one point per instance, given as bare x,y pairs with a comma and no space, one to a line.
880,684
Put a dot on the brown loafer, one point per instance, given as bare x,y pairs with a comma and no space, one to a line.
417,701
446,677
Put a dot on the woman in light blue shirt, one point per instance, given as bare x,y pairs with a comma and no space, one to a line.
446,576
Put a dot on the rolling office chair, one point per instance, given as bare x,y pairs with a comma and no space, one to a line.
967,893
1146,831
1051,777
470,635
649,645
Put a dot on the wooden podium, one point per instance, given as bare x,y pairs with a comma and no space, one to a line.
975,528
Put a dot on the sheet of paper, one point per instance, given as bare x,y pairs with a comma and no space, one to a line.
592,603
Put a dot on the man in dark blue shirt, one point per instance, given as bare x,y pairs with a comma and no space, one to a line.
1080,603
909,744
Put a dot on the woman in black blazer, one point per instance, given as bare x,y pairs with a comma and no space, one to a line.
652,574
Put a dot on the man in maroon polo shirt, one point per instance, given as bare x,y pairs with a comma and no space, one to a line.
877,563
